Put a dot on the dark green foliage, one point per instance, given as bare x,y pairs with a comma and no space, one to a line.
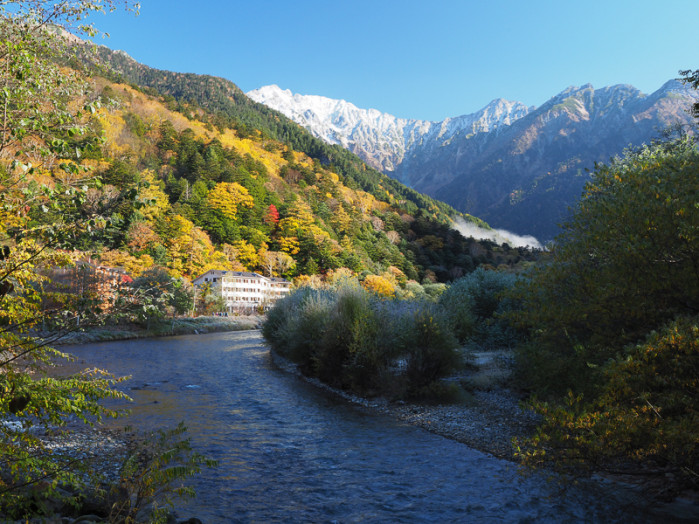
663,420
625,263
692,78
477,306
121,174
613,320
155,294
220,228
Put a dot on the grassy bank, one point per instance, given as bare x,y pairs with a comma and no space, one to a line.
162,328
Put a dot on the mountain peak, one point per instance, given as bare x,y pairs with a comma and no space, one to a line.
573,91
382,139
272,89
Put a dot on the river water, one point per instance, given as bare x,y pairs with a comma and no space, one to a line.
289,453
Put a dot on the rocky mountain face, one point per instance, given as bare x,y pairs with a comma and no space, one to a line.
517,167
382,140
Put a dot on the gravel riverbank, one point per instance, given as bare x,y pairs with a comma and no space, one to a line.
487,421
103,451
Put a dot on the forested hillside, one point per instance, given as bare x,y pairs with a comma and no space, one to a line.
222,190
227,106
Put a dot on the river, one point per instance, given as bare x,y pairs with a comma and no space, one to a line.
289,453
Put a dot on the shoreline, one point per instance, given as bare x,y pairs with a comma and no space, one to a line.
487,422
165,328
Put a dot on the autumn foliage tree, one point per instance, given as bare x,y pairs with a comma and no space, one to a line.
614,316
272,216
229,197
379,285
37,135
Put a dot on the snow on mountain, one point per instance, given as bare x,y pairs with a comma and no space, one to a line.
381,139
520,168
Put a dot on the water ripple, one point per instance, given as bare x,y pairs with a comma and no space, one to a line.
287,453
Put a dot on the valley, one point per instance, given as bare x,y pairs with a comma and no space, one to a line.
393,262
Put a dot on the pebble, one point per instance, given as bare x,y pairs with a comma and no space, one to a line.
104,451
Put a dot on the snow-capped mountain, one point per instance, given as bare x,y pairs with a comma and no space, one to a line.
517,167
382,140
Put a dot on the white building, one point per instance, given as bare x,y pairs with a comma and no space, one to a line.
244,291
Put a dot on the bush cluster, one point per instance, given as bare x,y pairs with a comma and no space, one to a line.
359,340
478,305
355,340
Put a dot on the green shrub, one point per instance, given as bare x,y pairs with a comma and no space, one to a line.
275,323
432,348
347,355
476,305
296,323
434,290
648,411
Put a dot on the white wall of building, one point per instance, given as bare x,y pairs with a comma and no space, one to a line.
244,290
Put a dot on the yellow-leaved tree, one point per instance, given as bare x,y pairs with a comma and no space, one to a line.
246,254
227,197
379,285
39,225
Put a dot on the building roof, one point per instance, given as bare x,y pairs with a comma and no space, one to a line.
247,274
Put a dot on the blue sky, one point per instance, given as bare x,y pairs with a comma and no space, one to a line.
416,59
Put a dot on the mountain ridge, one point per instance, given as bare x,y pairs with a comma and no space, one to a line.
518,167
341,122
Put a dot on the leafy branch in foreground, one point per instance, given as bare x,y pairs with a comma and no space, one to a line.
29,396
154,473
42,111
